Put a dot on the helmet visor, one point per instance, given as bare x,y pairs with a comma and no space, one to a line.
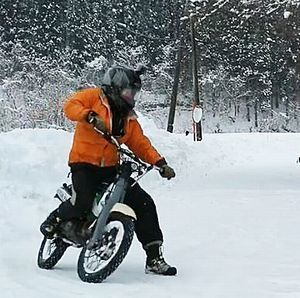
128,95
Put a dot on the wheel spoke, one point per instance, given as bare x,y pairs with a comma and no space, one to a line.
97,259
50,252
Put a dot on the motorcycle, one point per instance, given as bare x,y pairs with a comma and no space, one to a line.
106,235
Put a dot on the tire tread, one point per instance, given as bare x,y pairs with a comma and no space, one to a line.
102,274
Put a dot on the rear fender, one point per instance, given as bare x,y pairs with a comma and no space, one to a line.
124,209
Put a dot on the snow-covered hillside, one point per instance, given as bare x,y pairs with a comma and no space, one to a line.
230,218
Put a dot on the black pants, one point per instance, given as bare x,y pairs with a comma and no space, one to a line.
87,178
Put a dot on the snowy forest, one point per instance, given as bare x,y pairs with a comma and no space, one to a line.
248,57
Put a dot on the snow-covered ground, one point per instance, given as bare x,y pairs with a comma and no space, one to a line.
231,218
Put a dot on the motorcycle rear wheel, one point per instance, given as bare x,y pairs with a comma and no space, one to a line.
50,252
97,264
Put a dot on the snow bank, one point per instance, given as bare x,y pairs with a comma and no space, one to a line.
230,218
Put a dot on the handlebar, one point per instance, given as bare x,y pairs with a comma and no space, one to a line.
110,138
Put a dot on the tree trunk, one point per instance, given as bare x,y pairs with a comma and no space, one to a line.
248,112
256,112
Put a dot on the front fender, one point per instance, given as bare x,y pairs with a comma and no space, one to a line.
124,209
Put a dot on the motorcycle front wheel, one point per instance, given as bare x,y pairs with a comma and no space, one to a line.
95,265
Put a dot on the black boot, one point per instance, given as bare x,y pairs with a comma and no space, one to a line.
155,262
49,226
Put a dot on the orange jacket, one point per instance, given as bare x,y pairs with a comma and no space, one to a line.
89,146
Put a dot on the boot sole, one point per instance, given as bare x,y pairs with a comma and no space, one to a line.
169,272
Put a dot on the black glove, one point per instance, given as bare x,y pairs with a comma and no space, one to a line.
165,171
97,121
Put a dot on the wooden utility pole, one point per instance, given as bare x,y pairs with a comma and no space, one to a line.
197,127
175,87
180,37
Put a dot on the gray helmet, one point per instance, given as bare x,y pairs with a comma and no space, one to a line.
124,82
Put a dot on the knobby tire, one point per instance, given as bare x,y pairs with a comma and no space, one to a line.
102,274
55,256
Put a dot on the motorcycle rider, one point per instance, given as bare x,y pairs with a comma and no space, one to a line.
93,159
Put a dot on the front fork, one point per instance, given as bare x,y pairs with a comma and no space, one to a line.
116,195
